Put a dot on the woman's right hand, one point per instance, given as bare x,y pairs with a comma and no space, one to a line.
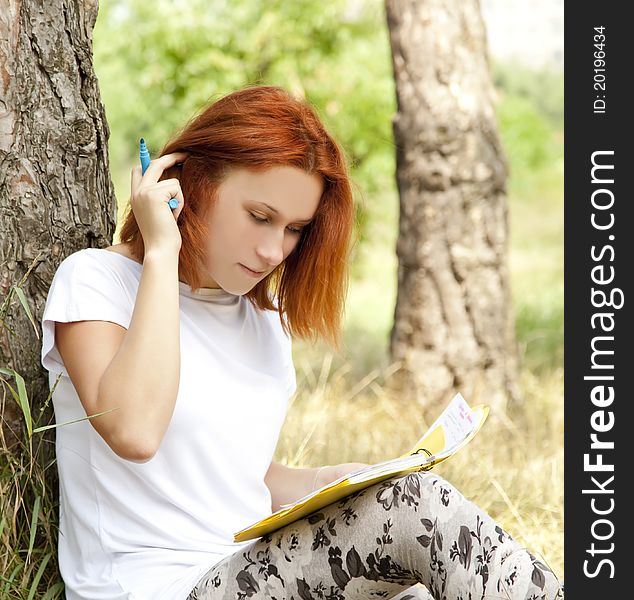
148,201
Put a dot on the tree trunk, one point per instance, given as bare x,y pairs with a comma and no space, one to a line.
56,195
453,324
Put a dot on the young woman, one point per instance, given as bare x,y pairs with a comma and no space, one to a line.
179,338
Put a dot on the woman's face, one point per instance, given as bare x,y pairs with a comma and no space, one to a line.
255,224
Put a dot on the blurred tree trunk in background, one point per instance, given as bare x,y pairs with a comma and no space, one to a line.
56,195
453,323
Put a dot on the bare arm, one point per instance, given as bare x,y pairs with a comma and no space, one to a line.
135,371
143,377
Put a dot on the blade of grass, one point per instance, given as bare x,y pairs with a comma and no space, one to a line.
33,526
45,427
38,576
27,310
9,581
53,592
21,397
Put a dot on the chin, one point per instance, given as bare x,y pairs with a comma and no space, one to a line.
236,289
237,286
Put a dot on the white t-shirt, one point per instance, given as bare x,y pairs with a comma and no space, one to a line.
150,531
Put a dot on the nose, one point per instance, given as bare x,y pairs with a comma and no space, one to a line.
270,248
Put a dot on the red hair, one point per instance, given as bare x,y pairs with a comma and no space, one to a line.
257,128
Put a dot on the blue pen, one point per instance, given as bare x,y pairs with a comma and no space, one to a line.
144,155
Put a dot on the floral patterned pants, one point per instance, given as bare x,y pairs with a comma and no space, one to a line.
409,537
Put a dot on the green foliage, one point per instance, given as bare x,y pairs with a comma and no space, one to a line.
534,149
530,116
160,63
543,88
525,134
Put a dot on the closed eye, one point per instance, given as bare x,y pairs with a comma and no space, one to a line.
297,230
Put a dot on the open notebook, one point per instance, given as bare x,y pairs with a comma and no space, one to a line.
452,430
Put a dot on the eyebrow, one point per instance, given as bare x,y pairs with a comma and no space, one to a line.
277,212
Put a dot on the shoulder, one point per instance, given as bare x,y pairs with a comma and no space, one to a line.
95,277
77,265
87,286
94,264
85,256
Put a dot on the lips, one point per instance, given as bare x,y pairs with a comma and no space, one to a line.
253,271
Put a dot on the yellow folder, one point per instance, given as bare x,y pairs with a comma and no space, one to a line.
455,428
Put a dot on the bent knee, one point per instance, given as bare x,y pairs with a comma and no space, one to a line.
418,491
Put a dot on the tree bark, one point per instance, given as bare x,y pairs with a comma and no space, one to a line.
56,195
453,323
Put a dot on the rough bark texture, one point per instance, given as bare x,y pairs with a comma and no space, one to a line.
56,195
453,323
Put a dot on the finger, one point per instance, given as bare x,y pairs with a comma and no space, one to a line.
181,203
135,179
157,166
172,189
168,186
168,189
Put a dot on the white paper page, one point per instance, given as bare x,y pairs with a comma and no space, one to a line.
458,420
